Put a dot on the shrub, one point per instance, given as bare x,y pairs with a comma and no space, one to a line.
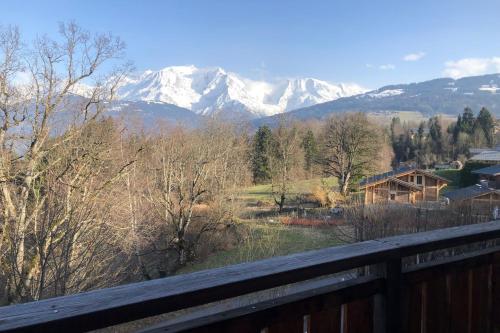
320,196
309,222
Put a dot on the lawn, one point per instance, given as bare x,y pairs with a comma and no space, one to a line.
263,193
265,240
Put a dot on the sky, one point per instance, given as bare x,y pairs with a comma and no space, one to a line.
371,43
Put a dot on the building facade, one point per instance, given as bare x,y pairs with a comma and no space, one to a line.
483,196
403,185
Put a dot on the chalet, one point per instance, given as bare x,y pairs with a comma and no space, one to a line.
404,185
484,195
490,175
488,156
485,155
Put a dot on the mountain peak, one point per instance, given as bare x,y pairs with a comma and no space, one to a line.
181,68
213,89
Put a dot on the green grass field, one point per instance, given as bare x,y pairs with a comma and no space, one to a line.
265,240
263,193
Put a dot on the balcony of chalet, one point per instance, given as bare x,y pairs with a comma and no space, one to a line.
446,280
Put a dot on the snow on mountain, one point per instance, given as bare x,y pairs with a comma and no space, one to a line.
386,93
211,90
434,97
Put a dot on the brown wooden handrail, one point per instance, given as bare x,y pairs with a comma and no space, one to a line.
106,307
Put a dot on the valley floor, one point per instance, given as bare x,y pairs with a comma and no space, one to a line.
263,234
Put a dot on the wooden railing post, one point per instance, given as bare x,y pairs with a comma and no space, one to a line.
393,296
100,308
387,306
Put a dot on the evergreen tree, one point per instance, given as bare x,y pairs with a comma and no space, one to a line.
468,120
420,146
310,147
395,129
262,145
457,127
436,137
486,123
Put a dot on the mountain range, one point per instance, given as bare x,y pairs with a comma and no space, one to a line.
188,94
207,91
438,96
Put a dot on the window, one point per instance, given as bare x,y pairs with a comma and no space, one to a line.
412,179
419,180
393,196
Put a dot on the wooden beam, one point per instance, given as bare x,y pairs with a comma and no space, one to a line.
305,298
101,308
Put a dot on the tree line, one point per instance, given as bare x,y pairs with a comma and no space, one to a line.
437,141
346,146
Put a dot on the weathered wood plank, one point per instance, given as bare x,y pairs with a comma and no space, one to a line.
358,316
460,263
111,306
314,296
481,299
290,325
443,238
437,316
394,282
412,308
459,302
326,321
495,284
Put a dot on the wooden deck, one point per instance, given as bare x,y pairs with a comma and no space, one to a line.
456,293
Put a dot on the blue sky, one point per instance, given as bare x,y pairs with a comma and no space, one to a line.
339,41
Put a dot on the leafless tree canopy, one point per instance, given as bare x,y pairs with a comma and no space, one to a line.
50,185
351,144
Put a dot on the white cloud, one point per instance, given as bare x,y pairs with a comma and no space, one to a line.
471,66
414,56
369,65
387,67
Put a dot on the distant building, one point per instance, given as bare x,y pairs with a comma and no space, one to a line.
489,176
485,195
456,165
487,155
404,185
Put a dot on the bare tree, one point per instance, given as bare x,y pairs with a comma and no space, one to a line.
191,185
48,180
350,146
285,161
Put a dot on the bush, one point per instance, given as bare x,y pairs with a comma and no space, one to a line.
309,222
320,196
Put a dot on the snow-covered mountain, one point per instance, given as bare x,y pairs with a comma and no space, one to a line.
438,96
207,91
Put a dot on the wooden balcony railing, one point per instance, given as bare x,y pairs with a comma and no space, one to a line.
457,293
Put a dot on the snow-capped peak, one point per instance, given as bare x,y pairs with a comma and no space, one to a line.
209,90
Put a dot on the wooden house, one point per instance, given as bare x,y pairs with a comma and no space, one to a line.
403,185
489,175
485,195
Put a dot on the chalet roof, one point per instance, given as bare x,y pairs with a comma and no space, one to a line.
405,184
396,173
468,192
481,150
493,170
488,156
386,175
430,174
